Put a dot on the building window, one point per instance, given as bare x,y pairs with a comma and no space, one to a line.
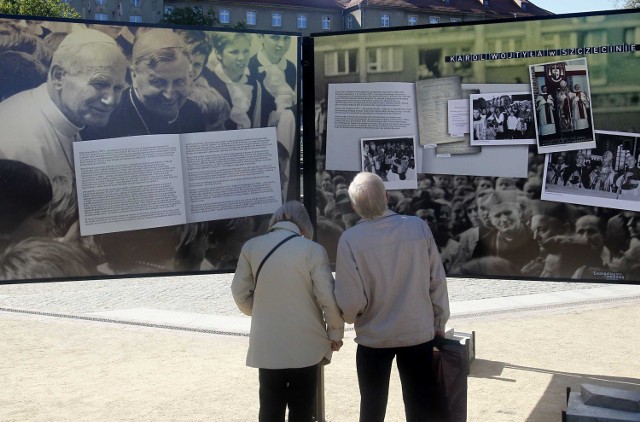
276,19
302,21
504,45
224,16
632,36
101,2
135,18
101,16
486,3
434,19
326,22
384,20
250,18
456,20
136,3
384,59
340,62
349,24
435,62
412,21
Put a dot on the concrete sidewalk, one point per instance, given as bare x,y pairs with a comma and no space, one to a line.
238,324
120,362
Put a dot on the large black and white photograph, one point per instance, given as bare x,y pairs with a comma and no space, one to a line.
605,176
563,112
503,118
66,82
393,159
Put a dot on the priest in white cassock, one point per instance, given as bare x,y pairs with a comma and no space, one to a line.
84,84
580,108
545,106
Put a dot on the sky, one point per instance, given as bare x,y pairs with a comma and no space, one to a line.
575,6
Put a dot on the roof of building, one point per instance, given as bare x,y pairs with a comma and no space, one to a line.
337,5
496,8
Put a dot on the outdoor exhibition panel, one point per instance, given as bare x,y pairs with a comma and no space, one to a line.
131,150
516,141
136,150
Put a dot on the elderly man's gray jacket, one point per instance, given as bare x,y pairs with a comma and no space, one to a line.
390,282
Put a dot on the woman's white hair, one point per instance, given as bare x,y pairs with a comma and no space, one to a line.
296,213
368,195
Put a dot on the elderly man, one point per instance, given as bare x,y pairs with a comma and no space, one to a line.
391,284
84,85
157,102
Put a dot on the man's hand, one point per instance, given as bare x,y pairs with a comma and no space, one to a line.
336,345
439,333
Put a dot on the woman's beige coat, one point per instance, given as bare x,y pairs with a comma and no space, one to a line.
294,312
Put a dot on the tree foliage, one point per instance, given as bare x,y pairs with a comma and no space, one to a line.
190,16
626,4
44,8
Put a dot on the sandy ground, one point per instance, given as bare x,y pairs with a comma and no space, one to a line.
57,369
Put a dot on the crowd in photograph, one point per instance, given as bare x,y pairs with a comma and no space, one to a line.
382,158
616,174
507,121
498,226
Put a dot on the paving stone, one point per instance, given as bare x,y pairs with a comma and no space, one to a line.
609,397
577,411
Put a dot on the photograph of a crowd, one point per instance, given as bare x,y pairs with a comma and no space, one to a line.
502,118
499,226
63,82
393,159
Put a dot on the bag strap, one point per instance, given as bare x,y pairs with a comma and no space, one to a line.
268,255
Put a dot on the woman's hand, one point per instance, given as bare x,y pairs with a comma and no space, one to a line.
336,345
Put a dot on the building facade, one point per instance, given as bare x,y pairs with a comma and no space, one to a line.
407,56
121,11
313,16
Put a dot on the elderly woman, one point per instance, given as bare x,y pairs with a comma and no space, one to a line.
157,102
231,79
288,290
